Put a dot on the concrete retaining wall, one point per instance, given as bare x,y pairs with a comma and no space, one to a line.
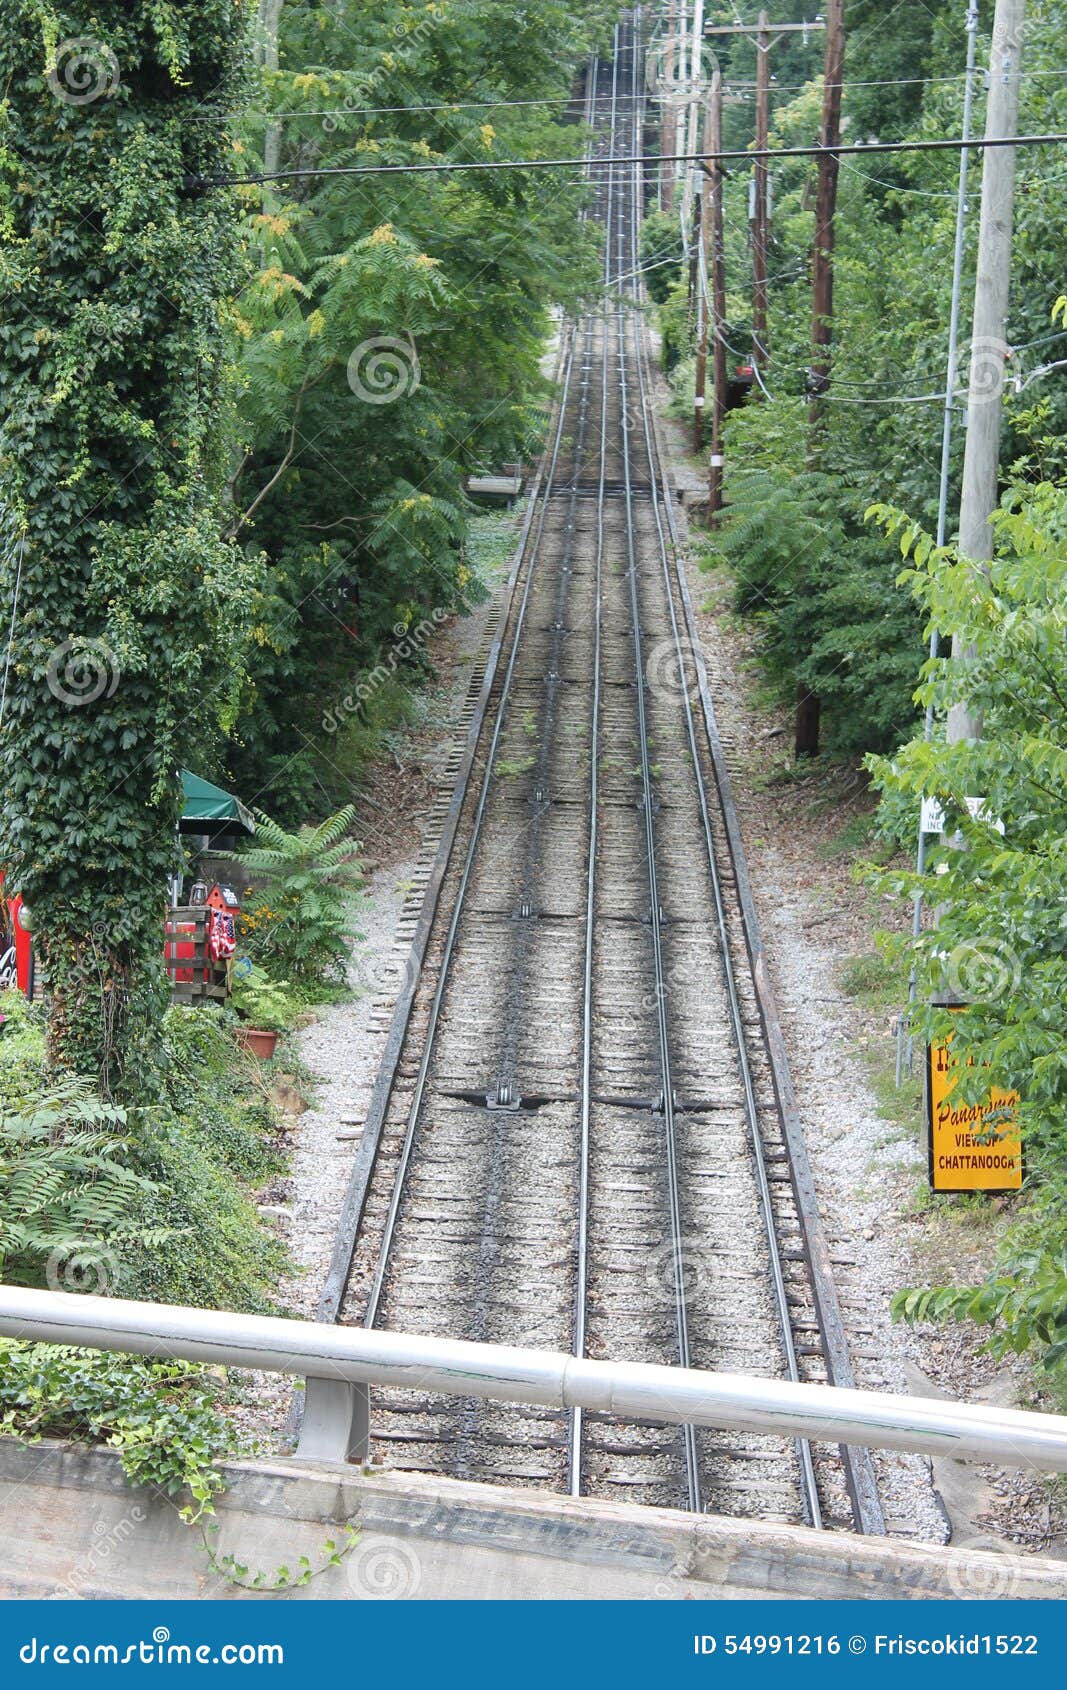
71,1526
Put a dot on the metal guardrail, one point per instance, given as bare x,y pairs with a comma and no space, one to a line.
340,1364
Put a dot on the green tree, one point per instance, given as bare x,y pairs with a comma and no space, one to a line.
390,339
1000,943
128,608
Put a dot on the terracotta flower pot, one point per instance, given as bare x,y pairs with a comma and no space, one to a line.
258,1040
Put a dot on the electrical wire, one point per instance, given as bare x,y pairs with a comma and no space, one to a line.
490,104
704,159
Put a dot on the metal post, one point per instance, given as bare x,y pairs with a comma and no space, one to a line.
808,707
904,1025
668,133
694,106
760,219
989,350
718,301
703,276
336,1422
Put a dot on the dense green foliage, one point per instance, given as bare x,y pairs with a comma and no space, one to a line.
1000,943
162,1417
662,252
835,614
69,1199
389,341
297,920
154,1200
209,1142
196,375
131,608
805,564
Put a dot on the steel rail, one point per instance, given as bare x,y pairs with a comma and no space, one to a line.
404,1160
378,1282
859,1474
581,1289
355,1199
681,1314
859,1471
808,1486
353,1207
518,974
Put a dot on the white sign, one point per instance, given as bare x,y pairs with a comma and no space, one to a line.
932,816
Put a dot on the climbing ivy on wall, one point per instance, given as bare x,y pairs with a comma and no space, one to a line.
126,608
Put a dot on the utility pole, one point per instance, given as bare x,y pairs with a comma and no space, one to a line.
759,202
989,350
268,25
668,138
808,706
761,208
703,277
903,1025
718,301
822,262
696,50
713,229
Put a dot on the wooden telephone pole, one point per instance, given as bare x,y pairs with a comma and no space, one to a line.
767,35
822,260
809,707
712,281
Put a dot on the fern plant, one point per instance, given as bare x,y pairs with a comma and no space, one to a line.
69,1201
297,921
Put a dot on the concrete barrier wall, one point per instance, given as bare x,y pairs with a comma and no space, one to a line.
71,1526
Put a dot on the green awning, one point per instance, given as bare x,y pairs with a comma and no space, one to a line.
208,809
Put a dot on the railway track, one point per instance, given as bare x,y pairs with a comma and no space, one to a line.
582,1135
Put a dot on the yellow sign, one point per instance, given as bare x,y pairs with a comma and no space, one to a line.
973,1146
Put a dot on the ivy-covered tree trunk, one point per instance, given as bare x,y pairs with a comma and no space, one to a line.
126,609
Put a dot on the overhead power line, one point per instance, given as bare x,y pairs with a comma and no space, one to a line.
704,159
490,104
